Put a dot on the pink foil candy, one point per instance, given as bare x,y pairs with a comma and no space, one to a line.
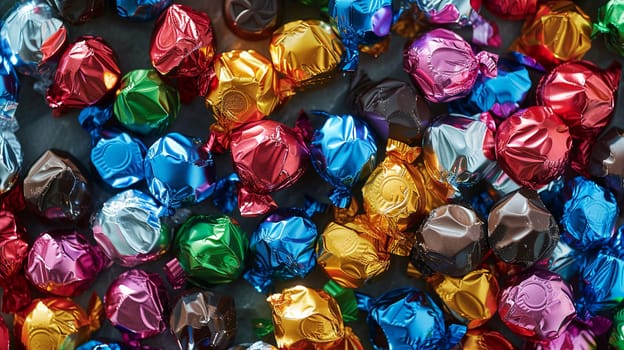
442,64
136,304
537,305
579,335
64,263
5,343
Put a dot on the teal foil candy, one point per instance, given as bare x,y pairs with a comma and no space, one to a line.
601,283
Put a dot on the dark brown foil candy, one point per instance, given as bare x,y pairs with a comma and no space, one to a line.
521,230
252,19
56,189
204,320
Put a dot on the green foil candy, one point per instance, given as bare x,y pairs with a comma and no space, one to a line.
610,22
209,249
617,334
146,104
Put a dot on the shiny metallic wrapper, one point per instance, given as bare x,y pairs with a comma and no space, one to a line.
10,160
608,154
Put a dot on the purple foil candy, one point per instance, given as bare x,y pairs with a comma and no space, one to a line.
580,335
442,64
64,263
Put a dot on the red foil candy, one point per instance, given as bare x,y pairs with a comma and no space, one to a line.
87,73
512,9
583,95
268,156
183,47
532,146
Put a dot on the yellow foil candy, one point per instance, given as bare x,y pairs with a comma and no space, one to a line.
245,89
472,299
560,31
308,319
57,323
306,51
350,255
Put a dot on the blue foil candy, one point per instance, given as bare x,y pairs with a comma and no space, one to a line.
360,22
565,261
93,120
119,160
589,215
282,247
501,95
9,91
98,345
602,284
343,152
408,319
176,173
141,10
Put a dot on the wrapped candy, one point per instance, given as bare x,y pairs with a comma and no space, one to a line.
57,323
472,299
183,47
10,160
268,156
532,146
203,320
521,230
131,228
501,95
609,23
578,335
616,339
141,10
511,9
482,339
145,104
5,341
608,154
78,12
259,345
451,240
32,37
537,304
392,108
558,32
592,92
353,253
308,52
252,20
441,63
56,189
87,74
408,317
98,345
209,250
282,247
306,318
601,280
565,261
589,215
176,173
360,23
9,92
136,303
343,152
458,150
64,263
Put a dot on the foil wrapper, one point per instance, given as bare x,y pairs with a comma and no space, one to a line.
451,240
392,108
268,156
282,247
87,74
484,339
259,345
176,173
616,338
458,150
13,254
360,23
610,22
252,20
145,104
512,10
57,323
183,47
77,12
64,263
10,160
559,31
565,261
136,304
98,345
141,10
343,152
521,230
119,160
442,65
537,305
601,280
56,189
533,146
203,320
580,334
9,93
5,341
132,228
209,250
607,156
308,52
589,215
408,317
306,318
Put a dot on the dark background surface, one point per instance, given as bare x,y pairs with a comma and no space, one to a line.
40,131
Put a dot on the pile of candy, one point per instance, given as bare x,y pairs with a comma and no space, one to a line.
503,210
